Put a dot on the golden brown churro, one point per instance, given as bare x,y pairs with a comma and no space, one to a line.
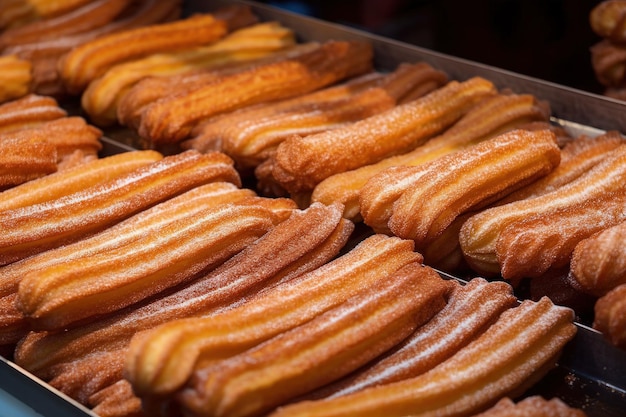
535,405
301,163
608,20
489,117
29,111
512,354
171,118
76,216
161,360
24,158
15,77
610,316
320,350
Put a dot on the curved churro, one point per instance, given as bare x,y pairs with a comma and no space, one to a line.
16,77
610,316
33,229
101,97
513,353
29,111
171,118
599,262
161,360
470,309
489,117
320,350
458,182
480,234
301,163
301,243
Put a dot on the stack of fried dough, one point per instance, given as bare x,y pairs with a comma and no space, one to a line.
38,137
153,283
608,56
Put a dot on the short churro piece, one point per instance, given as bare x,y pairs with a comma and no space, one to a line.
100,99
461,181
469,311
577,157
161,360
610,316
301,243
252,135
479,236
301,163
64,294
29,111
92,59
116,400
15,77
25,158
532,406
508,357
33,229
489,117
171,118
329,346
599,262
608,20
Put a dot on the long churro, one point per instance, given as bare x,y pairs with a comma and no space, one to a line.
301,163
161,360
171,118
513,353
31,230
490,117
320,350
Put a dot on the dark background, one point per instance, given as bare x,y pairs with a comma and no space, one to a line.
546,39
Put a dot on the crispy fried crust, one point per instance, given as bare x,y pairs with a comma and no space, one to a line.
24,158
88,211
489,117
470,309
599,262
182,344
100,99
318,351
480,234
29,111
532,406
172,118
513,353
301,163
610,316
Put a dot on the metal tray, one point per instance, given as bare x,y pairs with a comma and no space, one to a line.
591,374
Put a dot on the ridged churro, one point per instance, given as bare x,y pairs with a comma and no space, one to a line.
29,111
598,263
320,350
470,309
31,230
301,163
303,242
25,158
509,356
160,361
534,405
480,235
101,97
489,117
610,316
171,118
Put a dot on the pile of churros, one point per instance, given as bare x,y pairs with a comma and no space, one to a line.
156,282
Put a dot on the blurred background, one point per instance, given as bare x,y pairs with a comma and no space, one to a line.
546,39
